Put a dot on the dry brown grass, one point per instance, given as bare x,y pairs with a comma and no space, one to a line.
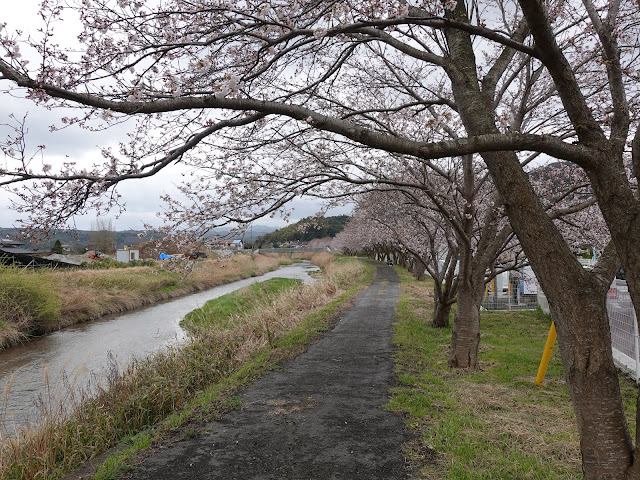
322,259
276,316
546,431
92,293
14,332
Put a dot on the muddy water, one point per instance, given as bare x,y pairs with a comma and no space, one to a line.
43,368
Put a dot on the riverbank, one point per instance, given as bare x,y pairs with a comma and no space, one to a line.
192,380
38,302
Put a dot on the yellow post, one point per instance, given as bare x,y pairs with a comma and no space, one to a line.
546,355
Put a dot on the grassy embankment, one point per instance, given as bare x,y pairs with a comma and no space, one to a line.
188,384
36,302
490,423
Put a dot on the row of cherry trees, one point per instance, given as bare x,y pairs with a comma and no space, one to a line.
272,100
453,228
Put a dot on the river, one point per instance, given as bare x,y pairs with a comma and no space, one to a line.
38,369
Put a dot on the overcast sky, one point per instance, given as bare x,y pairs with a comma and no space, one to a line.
73,143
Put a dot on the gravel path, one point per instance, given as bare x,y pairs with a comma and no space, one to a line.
321,417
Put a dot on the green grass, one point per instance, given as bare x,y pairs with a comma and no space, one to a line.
114,464
168,288
216,313
489,423
28,296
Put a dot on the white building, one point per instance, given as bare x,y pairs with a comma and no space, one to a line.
125,256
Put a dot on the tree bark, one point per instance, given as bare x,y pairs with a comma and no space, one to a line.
585,348
418,270
441,314
465,338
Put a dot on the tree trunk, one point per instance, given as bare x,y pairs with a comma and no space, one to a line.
442,302
465,338
441,313
418,270
585,347
578,306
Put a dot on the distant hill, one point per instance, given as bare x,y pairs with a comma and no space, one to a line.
305,230
250,234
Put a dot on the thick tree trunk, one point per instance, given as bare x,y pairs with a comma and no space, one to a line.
585,347
577,301
441,314
465,338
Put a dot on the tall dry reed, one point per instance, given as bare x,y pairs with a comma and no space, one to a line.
29,303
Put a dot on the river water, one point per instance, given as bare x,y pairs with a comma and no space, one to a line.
44,367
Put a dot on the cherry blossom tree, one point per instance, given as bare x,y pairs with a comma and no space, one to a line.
318,98
450,222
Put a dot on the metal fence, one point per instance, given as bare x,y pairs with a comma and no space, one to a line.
511,291
624,329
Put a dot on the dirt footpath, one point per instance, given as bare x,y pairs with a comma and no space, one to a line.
321,417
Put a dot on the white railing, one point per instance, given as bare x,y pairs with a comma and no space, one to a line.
624,329
511,295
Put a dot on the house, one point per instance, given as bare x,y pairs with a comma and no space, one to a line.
10,243
220,244
126,255
12,253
